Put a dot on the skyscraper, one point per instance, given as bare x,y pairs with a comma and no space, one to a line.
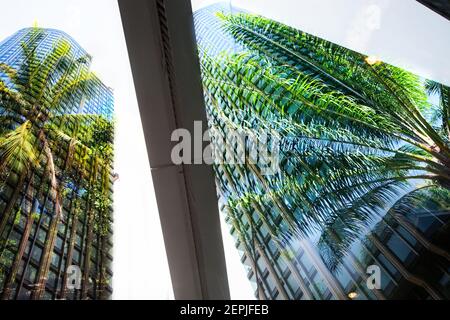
11,53
55,233
336,259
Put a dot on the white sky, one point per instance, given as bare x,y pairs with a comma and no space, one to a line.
401,32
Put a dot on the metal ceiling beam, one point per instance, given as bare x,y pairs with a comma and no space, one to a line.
162,51
441,7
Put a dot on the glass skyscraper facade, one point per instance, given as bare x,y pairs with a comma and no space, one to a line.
99,102
409,252
66,256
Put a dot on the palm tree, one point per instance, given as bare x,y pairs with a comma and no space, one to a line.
356,138
97,152
33,104
39,132
99,204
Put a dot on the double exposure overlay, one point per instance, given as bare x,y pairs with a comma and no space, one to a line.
360,206
56,157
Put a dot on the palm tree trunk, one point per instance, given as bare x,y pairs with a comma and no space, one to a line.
87,257
15,266
97,267
23,243
7,212
53,229
6,237
73,233
90,234
101,287
66,235
45,259
24,240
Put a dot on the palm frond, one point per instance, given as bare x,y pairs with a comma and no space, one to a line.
17,148
353,137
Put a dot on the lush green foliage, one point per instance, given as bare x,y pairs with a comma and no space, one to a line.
42,135
356,139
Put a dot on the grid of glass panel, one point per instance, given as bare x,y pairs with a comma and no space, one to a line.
83,233
411,250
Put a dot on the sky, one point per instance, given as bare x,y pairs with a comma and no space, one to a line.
401,32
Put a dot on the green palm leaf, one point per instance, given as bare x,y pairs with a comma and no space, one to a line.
354,137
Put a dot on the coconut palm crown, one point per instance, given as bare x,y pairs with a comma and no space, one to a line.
357,138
